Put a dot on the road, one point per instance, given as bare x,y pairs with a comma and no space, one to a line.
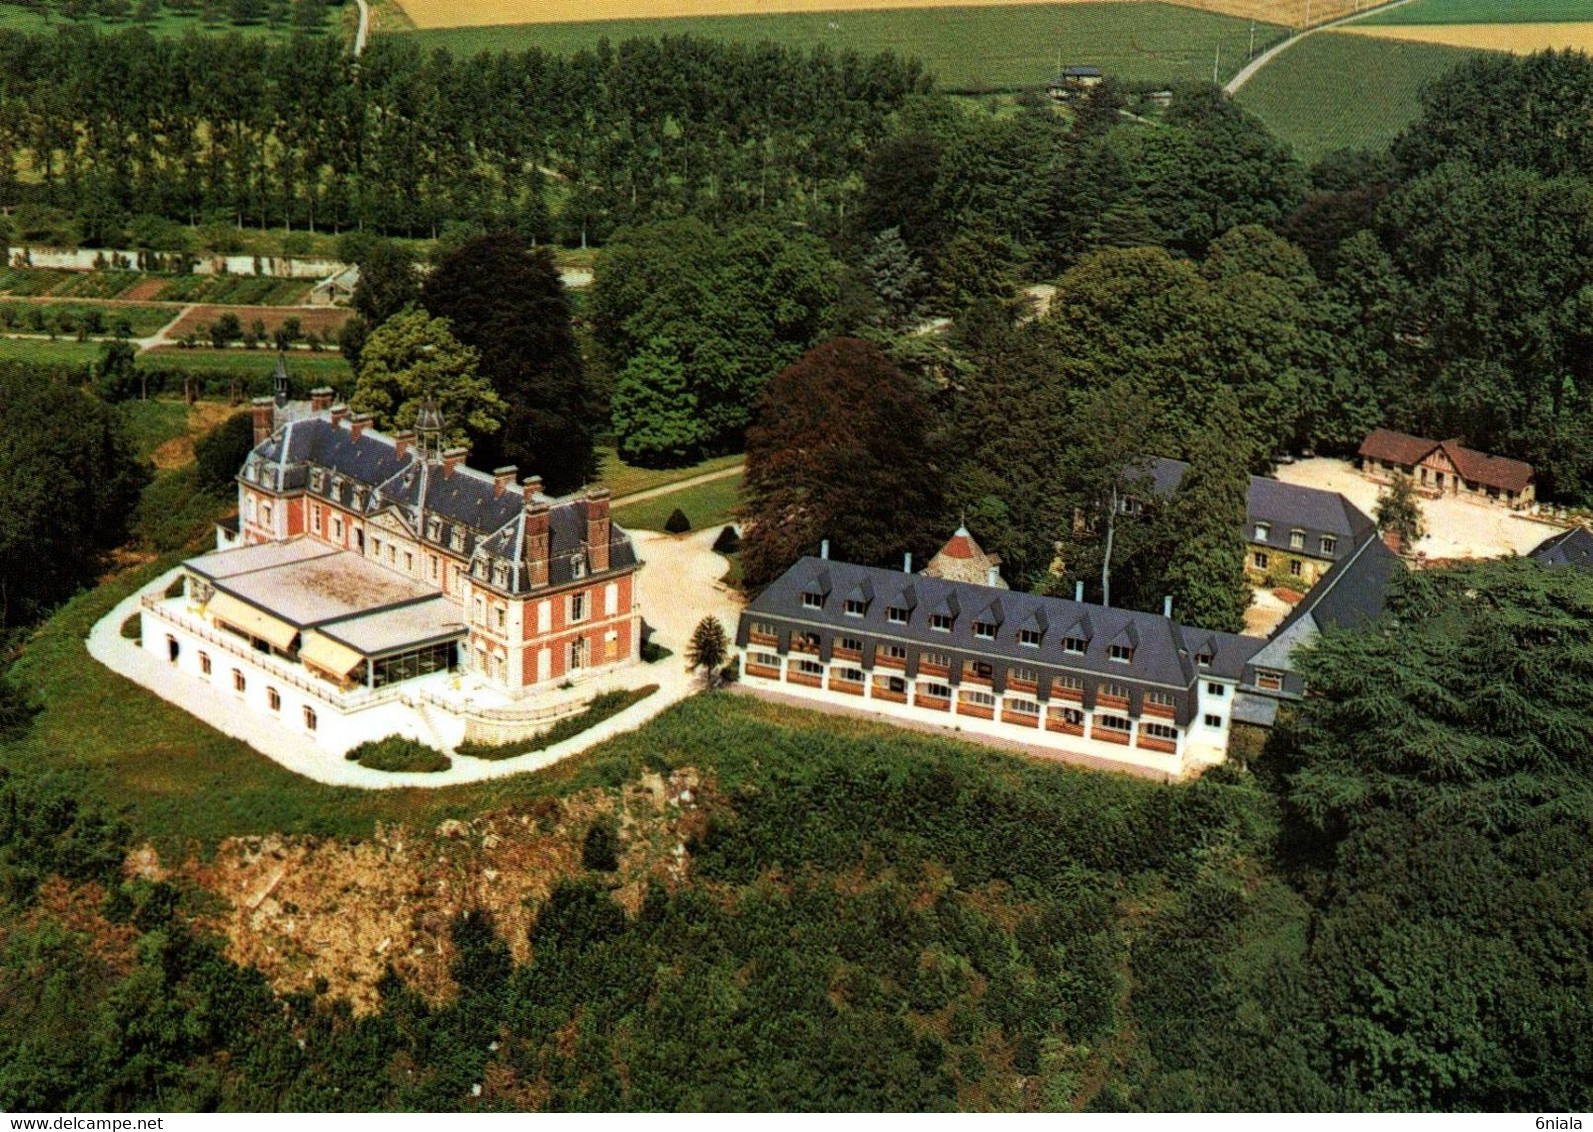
1249,70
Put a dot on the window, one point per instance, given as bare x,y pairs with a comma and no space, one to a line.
896,652
940,622
1159,731
456,539
315,519
759,629
978,670
1025,676
577,565
434,528
317,479
1069,715
1269,681
1213,721
239,684
938,691
1123,654
204,664
1114,692
1113,723
265,514
935,660
1023,707
1296,540
985,629
337,529
851,644
431,562
1262,531
811,667
851,675
376,547
577,607
766,659
1259,560
409,562
812,601
896,615
392,555
1075,645
273,699
503,618
982,699
359,498
309,719
1160,699
610,600
855,608
1295,568
1029,637
1066,685
1329,544
500,575
1217,690
1203,658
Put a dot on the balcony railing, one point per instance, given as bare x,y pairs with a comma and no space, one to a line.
1062,726
1021,718
762,670
1163,711
1108,735
1166,746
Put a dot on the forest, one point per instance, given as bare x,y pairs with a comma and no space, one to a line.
1385,907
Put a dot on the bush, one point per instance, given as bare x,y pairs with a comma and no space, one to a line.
397,754
133,627
677,523
728,541
600,849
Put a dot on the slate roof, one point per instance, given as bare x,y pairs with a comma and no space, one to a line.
462,513
1283,507
1164,650
1569,548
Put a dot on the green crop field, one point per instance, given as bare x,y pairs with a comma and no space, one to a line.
67,317
1486,12
63,351
167,23
1336,91
965,48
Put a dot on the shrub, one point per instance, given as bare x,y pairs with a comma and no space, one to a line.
677,523
396,754
133,627
601,847
728,541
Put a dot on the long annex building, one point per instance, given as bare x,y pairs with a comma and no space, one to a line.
1114,686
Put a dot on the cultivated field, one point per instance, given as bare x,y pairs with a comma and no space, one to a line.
325,321
1338,91
965,47
1522,39
1485,12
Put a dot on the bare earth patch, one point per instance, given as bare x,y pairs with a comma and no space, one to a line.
202,417
144,290
302,908
325,321
1521,39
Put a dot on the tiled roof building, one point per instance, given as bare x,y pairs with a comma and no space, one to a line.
1446,467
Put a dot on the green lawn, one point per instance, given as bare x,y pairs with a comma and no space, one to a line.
1486,12
706,505
623,479
152,423
324,365
1341,91
167,23
63,351
965,48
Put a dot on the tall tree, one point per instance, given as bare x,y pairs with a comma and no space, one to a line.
389,281
1205,573
413,358
1399,512
839,450
505,299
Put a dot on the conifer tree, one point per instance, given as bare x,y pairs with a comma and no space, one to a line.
708,647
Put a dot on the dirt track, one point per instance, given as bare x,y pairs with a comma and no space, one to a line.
1520,39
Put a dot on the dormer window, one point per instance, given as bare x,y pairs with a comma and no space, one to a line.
812,601
985,630
1329,544
1203,659
1296,540
855,608
1123,654
317,479
478,569
359,497
1029,637
577,566
1263,531
1075,645
434,528
456,539
500,575
896,615
940,622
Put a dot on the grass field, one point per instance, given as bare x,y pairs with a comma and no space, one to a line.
1335,91
1484,12
151,424
35,317
706,505
623,479
63,351
966,48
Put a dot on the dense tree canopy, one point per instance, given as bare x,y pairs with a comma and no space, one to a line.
413,358
505,299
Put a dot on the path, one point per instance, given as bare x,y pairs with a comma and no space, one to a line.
162,337
679,485
1248,71
363,30
678,584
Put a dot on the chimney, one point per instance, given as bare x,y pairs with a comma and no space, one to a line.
452,458
502,478
597,529
824,548
1078,592
338,413
907,562
358,423
263,408
993,576
1167,607
403,442
321,399
537,538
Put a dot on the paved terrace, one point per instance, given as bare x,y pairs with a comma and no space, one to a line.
678,587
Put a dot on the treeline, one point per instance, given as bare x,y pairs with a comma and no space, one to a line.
298,135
